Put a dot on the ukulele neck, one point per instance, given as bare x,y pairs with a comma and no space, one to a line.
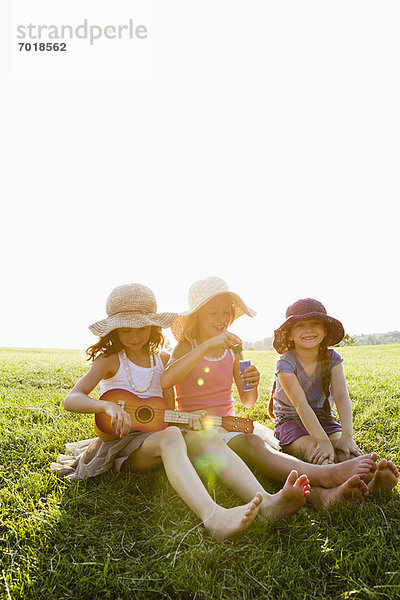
175,416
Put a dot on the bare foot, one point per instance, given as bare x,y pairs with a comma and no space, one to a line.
352,490
385,478
332,476
289,499
227,522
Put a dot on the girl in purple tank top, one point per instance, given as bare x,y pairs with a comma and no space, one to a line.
309,383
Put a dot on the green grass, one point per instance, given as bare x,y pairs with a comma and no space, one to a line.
130,536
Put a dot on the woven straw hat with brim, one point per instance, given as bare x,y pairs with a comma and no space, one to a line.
200,293
131,305
303,310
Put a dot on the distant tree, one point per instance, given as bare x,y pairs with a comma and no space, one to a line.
348,341
371,339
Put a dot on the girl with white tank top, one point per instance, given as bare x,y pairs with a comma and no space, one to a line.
128,356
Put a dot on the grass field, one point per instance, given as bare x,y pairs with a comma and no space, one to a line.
130,536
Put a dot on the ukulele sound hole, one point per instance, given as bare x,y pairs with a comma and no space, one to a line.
144,414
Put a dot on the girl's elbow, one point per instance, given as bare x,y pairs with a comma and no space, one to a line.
247,401
68,403
248,405
299,404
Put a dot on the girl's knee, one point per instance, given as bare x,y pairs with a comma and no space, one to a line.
302,448
170,436
210,436
306,452
253,441
248,443
198,441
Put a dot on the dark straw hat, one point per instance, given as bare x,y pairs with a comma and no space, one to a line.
302,310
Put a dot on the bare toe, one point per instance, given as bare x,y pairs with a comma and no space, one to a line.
385,477
292,477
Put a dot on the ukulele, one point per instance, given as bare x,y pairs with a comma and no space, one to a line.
152,414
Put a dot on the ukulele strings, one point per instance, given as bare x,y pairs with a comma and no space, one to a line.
178,415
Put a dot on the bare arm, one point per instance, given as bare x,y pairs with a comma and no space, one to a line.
168,393
297,397
343,404
184,358
324,449
342,399
78,399
182,361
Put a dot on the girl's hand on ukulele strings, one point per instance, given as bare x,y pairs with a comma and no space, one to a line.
196,422
120,419
251,376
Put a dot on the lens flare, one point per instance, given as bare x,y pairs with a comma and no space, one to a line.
200,381
208,422
209,465
206,369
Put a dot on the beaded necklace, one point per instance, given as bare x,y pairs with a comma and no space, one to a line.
152,365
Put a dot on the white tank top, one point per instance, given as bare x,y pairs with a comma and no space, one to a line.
140,377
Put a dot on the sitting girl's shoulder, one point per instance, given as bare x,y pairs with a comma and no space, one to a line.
164,357
286,362
334,357
107,365
181,349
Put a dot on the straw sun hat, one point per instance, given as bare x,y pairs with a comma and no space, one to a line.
303,310
131,305
200,293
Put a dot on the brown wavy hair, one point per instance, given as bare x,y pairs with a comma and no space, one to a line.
325,377
110,344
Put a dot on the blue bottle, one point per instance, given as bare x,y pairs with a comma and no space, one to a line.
243,366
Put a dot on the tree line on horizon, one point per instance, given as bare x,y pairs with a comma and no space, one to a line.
364,339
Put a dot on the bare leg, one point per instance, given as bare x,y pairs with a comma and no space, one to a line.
304,448
352,490
384,479
207,446
276,465
169,447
